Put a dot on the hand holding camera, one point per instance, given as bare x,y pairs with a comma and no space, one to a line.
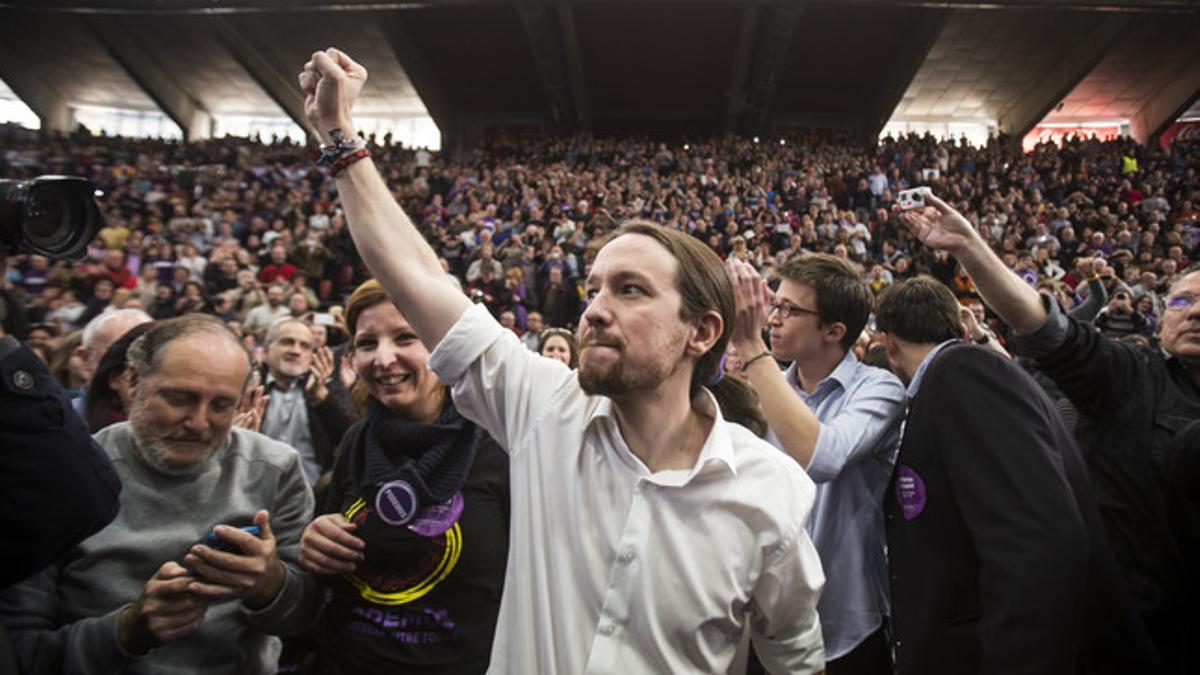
936,224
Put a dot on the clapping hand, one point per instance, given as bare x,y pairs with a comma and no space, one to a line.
752,301
320,374
250,412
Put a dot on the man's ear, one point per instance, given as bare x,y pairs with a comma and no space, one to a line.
889,344
134,380
705,330
835,331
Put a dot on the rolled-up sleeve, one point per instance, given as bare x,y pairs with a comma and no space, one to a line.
868,424
784,625
495,381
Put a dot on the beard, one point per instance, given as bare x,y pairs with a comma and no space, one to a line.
293,369
620,377
162,451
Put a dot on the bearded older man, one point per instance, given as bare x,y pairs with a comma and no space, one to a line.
144,595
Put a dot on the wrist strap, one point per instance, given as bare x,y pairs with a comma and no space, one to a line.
340,148
346,160
752,359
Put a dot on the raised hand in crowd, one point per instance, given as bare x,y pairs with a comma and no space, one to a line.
347,372
939,226
252,572
1088,267
752,298
331,81
250,412
166,611
320,374
328,547
978,332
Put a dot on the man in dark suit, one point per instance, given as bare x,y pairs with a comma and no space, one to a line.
997,559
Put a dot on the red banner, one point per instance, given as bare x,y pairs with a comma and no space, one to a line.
1189,130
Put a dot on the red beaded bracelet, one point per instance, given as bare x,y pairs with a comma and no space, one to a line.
340,165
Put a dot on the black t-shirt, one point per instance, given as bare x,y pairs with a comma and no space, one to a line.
426,597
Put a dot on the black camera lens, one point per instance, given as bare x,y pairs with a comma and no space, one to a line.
55,216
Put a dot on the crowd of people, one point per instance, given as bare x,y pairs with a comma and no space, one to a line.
251,231
363,303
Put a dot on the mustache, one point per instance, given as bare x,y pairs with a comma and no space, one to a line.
188,438
593,340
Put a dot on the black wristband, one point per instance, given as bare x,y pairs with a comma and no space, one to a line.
752,359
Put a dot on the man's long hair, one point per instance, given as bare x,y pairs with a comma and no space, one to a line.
704,286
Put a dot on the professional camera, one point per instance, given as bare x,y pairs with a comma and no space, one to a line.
54,216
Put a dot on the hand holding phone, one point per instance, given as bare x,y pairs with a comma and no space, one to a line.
216,543
241,564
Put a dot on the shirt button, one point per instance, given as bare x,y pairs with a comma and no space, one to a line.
607,629
628,556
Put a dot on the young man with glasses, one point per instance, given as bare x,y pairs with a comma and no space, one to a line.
839,419
1135,405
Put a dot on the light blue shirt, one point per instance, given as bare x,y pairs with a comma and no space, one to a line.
860,409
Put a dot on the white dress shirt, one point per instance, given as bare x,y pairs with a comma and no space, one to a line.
614,569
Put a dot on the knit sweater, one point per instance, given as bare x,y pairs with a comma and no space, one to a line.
64,619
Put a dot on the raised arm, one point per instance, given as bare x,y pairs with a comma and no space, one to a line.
794,423
389,243
939,226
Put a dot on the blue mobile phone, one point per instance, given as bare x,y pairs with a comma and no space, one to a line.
216,543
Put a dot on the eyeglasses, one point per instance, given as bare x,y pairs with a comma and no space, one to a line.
787,310
1181,301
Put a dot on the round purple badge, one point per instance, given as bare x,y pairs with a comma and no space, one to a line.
436,519
396,502
910,492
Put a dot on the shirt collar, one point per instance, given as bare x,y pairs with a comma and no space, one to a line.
271,381
717,449
915,385
842,374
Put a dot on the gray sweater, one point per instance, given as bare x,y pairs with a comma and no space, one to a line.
64,619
